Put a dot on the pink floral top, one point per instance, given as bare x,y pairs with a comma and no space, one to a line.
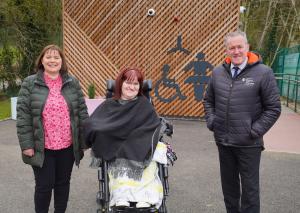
56,117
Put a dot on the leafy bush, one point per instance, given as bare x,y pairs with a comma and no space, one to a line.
91,91
12,91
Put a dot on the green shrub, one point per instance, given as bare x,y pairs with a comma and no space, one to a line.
13,91
91,91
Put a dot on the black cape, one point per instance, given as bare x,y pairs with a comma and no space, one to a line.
129,131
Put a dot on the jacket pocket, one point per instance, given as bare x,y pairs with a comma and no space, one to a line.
35,160
248,127
246,124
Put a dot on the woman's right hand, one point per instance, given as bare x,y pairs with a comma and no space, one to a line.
28,152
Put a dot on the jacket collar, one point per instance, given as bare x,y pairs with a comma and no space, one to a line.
40,77
253,58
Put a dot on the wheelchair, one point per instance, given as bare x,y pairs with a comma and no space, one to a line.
103,195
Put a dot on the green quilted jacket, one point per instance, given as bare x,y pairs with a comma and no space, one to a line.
30,105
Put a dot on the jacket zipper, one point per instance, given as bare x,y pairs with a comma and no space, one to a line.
70,114
43,106
227,108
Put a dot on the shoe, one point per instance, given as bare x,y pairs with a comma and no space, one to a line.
122,203
143,205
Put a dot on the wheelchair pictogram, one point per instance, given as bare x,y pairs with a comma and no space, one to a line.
170,83
199,79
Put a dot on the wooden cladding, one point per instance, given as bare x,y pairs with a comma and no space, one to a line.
100,37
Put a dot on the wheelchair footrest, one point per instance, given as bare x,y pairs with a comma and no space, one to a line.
134,210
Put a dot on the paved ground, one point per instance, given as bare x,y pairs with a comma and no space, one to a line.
194,179
284,136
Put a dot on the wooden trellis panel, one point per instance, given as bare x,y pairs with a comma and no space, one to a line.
102,36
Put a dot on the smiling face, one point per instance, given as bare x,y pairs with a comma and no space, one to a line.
128,84
236,49
52,62
130,89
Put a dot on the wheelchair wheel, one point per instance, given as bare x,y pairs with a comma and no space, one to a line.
103,210
103,207
98,198
163,208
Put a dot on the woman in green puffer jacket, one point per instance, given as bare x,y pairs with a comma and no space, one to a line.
50,112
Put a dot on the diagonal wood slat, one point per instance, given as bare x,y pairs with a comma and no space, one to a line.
102,36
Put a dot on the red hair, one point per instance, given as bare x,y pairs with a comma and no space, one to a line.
128,74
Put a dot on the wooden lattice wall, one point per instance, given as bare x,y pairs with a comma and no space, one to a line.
102,36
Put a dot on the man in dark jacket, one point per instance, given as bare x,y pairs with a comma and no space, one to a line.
242,103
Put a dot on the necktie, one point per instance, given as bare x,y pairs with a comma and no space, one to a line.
236,70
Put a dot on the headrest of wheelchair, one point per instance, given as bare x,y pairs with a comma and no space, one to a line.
147,85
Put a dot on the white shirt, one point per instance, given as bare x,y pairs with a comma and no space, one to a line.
241,66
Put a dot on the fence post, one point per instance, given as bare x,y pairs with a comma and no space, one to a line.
296,98
281,83
288,91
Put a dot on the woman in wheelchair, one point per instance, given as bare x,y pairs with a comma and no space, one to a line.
125,131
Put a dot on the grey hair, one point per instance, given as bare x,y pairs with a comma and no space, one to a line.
235,34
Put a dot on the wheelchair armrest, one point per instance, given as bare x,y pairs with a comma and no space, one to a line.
167,127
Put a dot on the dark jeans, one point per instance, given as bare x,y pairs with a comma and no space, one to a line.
240,178
55,174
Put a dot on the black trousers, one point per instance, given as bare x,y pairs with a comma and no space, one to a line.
240,178
54,175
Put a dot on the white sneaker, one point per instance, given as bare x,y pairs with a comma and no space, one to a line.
122,203
143,205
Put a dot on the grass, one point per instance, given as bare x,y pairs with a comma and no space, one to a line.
5,109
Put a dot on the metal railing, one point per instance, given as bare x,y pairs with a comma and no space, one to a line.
289,86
